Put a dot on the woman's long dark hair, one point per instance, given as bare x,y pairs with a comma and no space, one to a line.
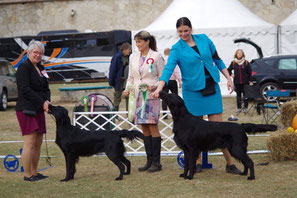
146,36
183,21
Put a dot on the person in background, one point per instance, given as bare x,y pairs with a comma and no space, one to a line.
172,83
241,77
117,78
33,101
145,69
200,64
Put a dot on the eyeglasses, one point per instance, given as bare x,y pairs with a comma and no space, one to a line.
37,53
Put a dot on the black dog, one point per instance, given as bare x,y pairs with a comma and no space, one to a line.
75,142
194,135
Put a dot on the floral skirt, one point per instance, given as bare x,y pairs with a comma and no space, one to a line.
151,112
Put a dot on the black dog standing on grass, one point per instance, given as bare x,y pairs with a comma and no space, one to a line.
194,135
75,142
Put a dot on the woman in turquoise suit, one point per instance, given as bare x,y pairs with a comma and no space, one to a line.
200,65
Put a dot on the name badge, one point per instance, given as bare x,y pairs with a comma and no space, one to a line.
44,74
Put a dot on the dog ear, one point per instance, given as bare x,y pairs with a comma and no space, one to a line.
179,100
65,111
61,115
50,106
177,104
175,110
66,119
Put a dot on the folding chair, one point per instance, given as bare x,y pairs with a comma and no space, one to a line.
256,102
272,109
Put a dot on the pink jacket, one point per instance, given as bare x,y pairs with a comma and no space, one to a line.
176,72
150,78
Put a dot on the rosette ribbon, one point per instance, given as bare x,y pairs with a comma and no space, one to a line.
84,100
132,103
143,88
150,62
93,99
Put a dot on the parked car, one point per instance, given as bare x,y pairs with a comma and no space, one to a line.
8,86
273,72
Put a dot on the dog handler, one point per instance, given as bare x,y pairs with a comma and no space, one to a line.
33,101
200,64
145,69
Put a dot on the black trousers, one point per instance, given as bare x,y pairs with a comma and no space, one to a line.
239,89
118,97
172,86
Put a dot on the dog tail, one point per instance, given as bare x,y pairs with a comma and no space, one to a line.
256,128
130,135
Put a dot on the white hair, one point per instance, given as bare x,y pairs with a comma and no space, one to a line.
35,44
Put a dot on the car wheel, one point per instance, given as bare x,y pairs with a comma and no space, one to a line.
3,101
268,86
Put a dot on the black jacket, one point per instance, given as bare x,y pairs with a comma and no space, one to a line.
242,73
33,90
116,71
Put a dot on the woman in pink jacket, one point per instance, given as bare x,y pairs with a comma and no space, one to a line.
145,69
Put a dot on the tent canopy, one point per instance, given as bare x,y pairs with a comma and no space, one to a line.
291,19
288,34
207,14
223,21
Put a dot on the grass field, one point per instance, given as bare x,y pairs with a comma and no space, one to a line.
95,175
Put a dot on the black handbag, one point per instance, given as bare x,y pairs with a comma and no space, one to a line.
29,112
209,87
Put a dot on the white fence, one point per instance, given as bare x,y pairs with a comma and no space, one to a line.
118,120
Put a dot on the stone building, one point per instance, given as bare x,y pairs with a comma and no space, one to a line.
28,17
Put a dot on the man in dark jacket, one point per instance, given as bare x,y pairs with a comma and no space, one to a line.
118,73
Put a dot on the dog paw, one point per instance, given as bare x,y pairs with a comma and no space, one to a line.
118,178
251,178
64,180
189,178
243,173
126,173
182,175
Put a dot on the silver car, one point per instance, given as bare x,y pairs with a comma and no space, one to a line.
8,86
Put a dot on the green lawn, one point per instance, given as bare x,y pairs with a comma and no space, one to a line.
95,175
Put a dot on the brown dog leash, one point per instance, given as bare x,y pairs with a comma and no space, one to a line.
48,158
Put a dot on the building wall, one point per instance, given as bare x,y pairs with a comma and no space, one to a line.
31,17
96,15
272,11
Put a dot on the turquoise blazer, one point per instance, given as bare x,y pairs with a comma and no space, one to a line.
192,64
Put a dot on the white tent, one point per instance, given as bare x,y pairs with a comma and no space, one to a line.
288,34
223,21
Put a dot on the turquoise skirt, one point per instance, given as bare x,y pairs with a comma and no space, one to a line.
200,105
